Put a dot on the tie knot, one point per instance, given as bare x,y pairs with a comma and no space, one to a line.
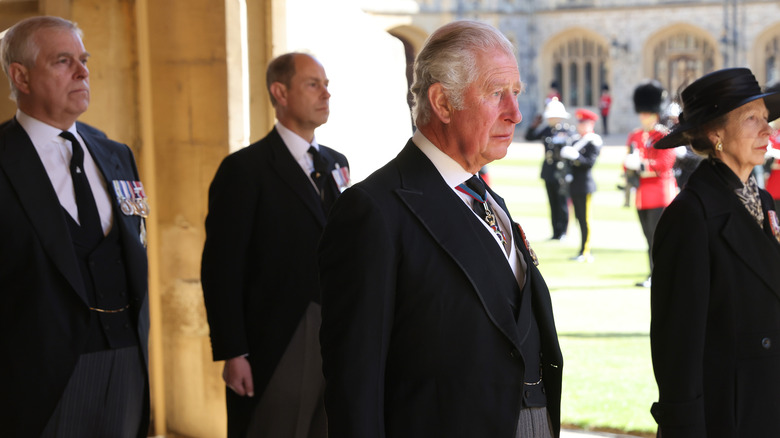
475,183
67,135
320,166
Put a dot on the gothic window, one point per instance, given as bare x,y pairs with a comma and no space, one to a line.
580,67
680,59
772,60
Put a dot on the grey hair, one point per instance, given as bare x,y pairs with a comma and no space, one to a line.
449,57
19,45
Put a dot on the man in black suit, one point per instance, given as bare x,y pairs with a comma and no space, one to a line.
267,208
73,272
436,321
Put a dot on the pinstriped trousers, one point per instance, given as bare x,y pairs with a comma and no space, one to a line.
104,397
534,423
292,405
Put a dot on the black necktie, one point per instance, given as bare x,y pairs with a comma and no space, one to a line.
320,176
475,188
89,219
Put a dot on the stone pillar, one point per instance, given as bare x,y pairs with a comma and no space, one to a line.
187,50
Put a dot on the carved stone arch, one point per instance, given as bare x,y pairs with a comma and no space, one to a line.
678,54
765,55
411,34
577,59
412,39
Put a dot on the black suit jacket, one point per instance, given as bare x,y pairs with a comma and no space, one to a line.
259,269
418,339
582,181
715,330
44,314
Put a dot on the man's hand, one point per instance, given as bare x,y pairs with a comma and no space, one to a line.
238,376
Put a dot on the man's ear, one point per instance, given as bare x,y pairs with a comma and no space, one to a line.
440,103
279,92
20,77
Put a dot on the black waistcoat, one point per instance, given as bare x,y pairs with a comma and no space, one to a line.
102,267
530,349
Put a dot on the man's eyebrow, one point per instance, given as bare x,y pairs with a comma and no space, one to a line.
66,54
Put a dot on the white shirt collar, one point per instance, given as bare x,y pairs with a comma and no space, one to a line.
40,132
295,143
449,169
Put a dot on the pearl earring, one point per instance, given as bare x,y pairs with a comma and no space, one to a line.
719,147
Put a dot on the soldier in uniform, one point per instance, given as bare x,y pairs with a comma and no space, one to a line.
555,135
657,186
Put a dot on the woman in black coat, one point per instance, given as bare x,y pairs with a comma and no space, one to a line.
715,297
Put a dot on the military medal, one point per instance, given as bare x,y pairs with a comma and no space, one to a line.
124,195
131,197
527,245
139,198
774,223
341,176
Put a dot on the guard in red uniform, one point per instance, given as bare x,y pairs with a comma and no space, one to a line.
657,186
605,103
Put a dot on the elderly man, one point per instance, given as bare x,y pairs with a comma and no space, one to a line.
267,208
73,272
436,321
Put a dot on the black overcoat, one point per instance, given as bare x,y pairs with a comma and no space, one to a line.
715,329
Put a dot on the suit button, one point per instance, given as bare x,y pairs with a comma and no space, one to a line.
514,353
527,394
766,343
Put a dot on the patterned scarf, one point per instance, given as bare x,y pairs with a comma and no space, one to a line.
748,194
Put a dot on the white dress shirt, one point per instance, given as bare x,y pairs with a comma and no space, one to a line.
299,148
55,153
453,175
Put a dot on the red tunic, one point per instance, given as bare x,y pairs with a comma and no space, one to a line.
605,102
657,186
773,182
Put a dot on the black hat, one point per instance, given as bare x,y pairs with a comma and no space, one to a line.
714,95
648,97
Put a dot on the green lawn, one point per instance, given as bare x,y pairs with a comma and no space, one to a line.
602,317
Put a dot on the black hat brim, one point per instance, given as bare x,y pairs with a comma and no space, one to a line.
676,137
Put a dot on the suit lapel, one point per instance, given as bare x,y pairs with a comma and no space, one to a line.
289,171
24,169
106,160
750,243
330,182
457,230
754,247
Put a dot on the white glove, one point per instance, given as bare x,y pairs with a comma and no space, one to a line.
569,153
771,152
632,161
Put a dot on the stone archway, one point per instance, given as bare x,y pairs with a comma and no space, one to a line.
679,54
578,61
766,55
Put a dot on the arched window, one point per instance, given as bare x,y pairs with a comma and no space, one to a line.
771,54
579,66
680,59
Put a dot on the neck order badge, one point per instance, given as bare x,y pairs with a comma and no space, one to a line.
474,187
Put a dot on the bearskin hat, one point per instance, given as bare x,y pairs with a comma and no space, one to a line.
649,97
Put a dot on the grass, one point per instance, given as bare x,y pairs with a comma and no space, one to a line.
602,317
